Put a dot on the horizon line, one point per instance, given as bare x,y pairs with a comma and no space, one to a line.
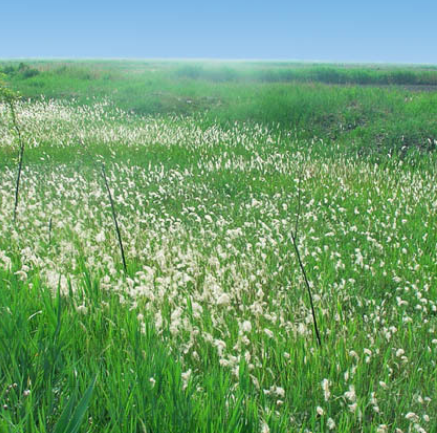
213,60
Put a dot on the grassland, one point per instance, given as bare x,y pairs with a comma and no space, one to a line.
211,329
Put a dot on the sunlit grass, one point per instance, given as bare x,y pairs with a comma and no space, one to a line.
211,329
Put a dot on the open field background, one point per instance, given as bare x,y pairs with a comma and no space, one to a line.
211,328
368,107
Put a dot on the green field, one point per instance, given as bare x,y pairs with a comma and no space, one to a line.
210,166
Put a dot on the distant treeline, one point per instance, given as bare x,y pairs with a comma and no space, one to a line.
320,74
257,72
22,69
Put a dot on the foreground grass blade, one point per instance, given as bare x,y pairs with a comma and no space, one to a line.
70,420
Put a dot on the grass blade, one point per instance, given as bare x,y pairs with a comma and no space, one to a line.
70,421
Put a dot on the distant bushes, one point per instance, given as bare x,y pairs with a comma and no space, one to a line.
341,75
361,76
65,71
259,72
22,69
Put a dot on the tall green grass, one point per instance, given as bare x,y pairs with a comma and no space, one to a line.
92,358
388,114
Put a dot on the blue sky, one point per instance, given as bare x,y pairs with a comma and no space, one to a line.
331,30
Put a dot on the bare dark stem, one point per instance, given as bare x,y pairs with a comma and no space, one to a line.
301,265
20,157
50,231
114,216
308,287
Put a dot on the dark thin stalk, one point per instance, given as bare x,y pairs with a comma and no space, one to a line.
114,217
50,231
20,157
308,287
301,265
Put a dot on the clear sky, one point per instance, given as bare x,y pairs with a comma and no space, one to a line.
394,31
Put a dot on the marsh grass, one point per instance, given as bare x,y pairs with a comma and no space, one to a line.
211,331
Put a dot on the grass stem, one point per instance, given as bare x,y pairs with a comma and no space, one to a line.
299,259
114,217
20,156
